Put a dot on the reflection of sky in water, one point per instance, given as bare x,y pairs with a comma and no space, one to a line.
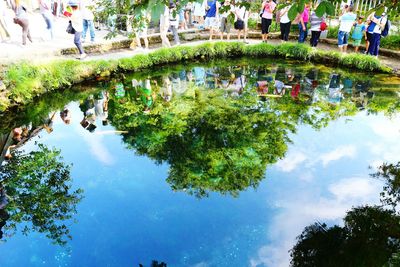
130,215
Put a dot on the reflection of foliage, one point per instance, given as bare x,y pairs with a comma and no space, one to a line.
390,173
212,143
370,236
38,185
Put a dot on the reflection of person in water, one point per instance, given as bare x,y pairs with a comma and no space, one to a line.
89,117
147,96
3,213
166,90
199,75
101,107
65,115
335,94
362,94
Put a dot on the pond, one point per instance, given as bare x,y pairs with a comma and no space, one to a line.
205,164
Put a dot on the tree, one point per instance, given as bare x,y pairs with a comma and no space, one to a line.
370,237
38,186
390,174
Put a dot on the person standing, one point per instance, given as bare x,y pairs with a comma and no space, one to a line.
285,23
88,17
378,24
4,33
304,18
315,26
211,21
267,9
199,11
141,32
21,18
241,15
174,22
225,26
164,26
358,33
76,21
346,23
45,10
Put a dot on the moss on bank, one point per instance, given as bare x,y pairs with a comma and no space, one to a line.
25,81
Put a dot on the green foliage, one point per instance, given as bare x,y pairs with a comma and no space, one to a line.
370,236
390,174
211,142
333,32
38,185
391,42
25,81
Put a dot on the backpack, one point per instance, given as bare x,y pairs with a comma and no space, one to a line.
386,30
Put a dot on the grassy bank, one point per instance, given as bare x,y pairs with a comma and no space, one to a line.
25,81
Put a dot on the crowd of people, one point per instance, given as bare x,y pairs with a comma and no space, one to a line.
216,16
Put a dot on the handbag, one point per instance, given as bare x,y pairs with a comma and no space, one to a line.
323,26
239,24
70,29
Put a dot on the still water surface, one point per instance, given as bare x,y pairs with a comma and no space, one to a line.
155,187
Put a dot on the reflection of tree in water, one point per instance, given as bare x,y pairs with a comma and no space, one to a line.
213,142
38,188
370,235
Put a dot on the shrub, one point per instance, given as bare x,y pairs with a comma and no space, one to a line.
391,42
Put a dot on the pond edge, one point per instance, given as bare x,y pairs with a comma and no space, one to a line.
24,80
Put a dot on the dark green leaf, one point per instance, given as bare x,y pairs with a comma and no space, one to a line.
321,9
292,13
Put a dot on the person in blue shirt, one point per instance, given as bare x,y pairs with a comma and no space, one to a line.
358,33
211,22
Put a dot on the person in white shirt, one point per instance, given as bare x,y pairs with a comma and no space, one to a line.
199,11
174,22
141,32
88,18
164,26
76,21
4,33
377,25
285,23
346,23
225,26
45,10
241,14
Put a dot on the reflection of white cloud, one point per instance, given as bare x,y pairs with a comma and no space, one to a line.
386,147
302,209
291,161
338,153
388,129
355,188
98,149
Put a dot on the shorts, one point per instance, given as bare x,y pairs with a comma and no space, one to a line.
225,25
369,36
356,42
265,24
343,38
211,23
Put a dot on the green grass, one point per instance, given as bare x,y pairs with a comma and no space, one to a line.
25,81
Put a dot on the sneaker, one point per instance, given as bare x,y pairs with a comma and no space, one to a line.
83,56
